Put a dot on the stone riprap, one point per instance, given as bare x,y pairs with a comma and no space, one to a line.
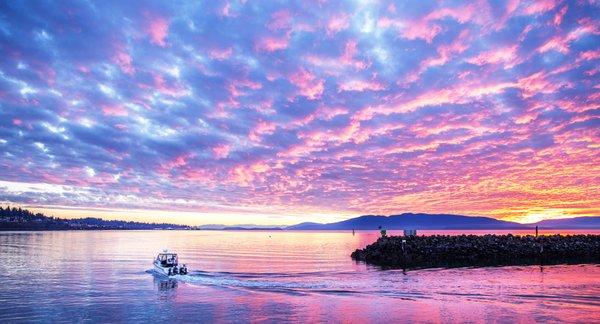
479,250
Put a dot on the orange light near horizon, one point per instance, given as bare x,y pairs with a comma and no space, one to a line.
533,217
539,214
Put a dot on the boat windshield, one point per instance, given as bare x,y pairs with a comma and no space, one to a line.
167,258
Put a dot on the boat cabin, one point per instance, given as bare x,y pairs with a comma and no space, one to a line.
167,259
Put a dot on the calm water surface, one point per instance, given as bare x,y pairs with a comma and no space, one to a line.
239,276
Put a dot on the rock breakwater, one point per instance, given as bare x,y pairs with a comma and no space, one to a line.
474,250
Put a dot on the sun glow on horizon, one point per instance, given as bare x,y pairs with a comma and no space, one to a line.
533,215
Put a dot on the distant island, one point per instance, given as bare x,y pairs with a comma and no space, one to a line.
18,219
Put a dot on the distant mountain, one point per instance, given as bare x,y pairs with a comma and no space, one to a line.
442,222
590,222
413,221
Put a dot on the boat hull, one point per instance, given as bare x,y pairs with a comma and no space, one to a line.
162,270
174,270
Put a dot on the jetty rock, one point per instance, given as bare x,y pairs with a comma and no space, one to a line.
437,251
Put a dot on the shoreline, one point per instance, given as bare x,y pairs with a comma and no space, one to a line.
430,232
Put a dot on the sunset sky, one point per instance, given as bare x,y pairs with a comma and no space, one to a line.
283,112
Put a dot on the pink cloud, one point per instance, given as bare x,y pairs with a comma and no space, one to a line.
446,52
262,128
241,176
280,20
411,29
592,71
511,8
360,85
272,44
249,84
425,28
459,94
83,69
158,30
45,72
123,60
221,151
391,8
322,113
327,65
590,55
525,32
264,106
298,150
422,30
316,139
506,55
197,175
386,22
168,88
350,51
176,162
560,15
237,88
244,175
336,65
226,10
337,23
307,83
460,14
114,110
17,122
51,178
220,54
537,83
222,106
561,43
539,6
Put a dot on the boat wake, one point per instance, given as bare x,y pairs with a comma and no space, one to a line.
246,281
294,284
424,285
299,284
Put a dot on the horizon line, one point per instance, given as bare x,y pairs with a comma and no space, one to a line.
76,208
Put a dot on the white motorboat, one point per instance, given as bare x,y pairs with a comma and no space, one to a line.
167,263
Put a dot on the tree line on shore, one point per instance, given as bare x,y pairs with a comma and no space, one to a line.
19,219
